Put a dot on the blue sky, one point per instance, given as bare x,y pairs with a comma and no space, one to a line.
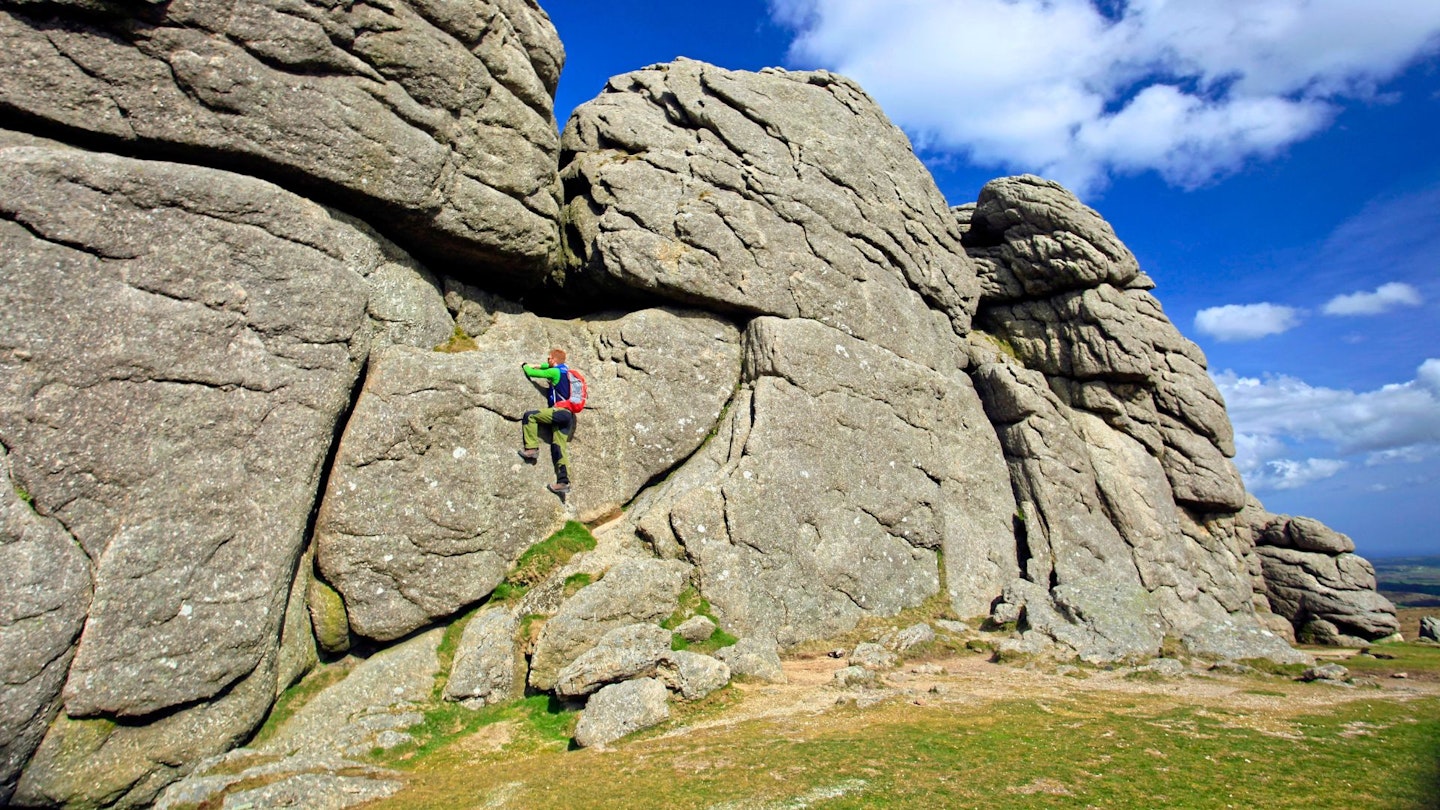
1270,162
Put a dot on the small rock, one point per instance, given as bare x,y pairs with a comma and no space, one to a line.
1167,667
928,669
912,636
872,656
1401,675
692,675
625,653
1325,672
951,626
754,658
696,628
854,676
1005,613
1232,668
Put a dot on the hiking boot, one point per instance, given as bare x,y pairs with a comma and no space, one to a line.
530,454
559,488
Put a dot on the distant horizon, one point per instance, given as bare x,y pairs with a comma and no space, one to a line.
1269,173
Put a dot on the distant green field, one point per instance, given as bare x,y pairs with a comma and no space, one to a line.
1409,581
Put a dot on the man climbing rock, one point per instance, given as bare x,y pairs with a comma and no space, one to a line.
560,416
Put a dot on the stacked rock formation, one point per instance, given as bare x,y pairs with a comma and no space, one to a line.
232,238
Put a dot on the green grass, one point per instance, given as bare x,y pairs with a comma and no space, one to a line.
1401,657
692,604
1132,751
709,646
547,556
575,582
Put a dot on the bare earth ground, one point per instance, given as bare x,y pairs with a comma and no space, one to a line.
974,680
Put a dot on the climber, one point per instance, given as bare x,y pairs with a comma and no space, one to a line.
560,416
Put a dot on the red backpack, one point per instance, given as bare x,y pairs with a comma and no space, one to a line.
579,392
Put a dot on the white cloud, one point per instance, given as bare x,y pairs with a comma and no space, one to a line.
1065,89
1382,300
1246,321
1283,474
1395,423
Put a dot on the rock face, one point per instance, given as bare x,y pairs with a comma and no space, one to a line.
230,447
43,599
433,118
428,503
833,485
1097,399
775,193
178,347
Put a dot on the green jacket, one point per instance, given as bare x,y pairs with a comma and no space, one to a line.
544,371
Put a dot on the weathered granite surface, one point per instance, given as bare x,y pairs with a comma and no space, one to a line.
431,119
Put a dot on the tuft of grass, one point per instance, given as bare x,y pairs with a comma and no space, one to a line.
506,593
458,342
1005,346
575,582
691,603
24,495
547,556
529,630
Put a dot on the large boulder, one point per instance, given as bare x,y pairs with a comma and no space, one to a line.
432,118
176,347
96,762
1068,299
320,747
428,503
832,487
777,193
484,670
620,709
625,653
1309,575
1117,439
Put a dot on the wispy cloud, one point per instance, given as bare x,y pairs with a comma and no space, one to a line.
1082,89
1234,322
1273,416
1387,297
